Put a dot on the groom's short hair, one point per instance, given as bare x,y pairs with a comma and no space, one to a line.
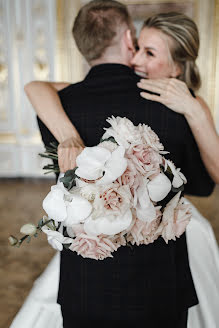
97,24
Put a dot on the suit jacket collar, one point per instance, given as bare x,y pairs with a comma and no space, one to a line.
109,69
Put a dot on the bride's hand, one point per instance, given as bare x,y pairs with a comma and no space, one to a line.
68,150
173,93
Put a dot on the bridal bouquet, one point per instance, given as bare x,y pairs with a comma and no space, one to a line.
114,196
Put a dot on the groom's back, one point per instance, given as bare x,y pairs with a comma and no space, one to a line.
117,288
111,89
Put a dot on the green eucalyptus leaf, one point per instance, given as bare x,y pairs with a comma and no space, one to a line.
40,223
69,179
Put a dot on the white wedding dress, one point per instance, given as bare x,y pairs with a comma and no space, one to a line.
40,309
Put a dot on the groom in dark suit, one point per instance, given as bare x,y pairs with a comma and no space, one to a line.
152,284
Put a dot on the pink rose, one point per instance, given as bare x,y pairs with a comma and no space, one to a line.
176,217
146,159
182,217
130,177
97,248
116,198
118,239
149,137
145,232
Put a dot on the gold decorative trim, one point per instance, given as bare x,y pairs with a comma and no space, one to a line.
8,138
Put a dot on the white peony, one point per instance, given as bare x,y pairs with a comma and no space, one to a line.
159,187
78,209
108,224
123,131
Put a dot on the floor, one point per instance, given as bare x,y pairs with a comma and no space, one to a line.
21,202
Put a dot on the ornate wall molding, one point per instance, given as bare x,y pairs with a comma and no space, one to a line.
27,47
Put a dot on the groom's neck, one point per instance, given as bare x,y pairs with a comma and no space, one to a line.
111,60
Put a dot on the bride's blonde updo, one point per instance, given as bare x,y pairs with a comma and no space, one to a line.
184,45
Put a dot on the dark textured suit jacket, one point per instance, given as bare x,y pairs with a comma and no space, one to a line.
141,282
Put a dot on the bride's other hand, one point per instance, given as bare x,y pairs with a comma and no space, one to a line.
175,94
68,150
172,93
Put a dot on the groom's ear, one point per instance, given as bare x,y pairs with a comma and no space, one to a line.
129,40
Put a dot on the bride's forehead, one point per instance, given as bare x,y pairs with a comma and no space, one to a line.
152,38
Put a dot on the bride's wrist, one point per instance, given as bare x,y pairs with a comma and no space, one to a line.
194,113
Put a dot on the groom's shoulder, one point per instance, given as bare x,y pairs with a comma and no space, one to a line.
70,89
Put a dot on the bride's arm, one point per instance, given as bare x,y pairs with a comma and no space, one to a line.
45,101
175,95
202,125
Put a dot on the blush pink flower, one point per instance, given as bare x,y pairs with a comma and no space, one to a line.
149,137
130,177
116,198
176,217
146,159
145,232
118,239
97,248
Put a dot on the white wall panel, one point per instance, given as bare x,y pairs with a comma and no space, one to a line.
27,52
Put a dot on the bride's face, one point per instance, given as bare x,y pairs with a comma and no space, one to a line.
153,59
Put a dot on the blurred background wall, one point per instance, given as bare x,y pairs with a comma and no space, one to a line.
36,44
